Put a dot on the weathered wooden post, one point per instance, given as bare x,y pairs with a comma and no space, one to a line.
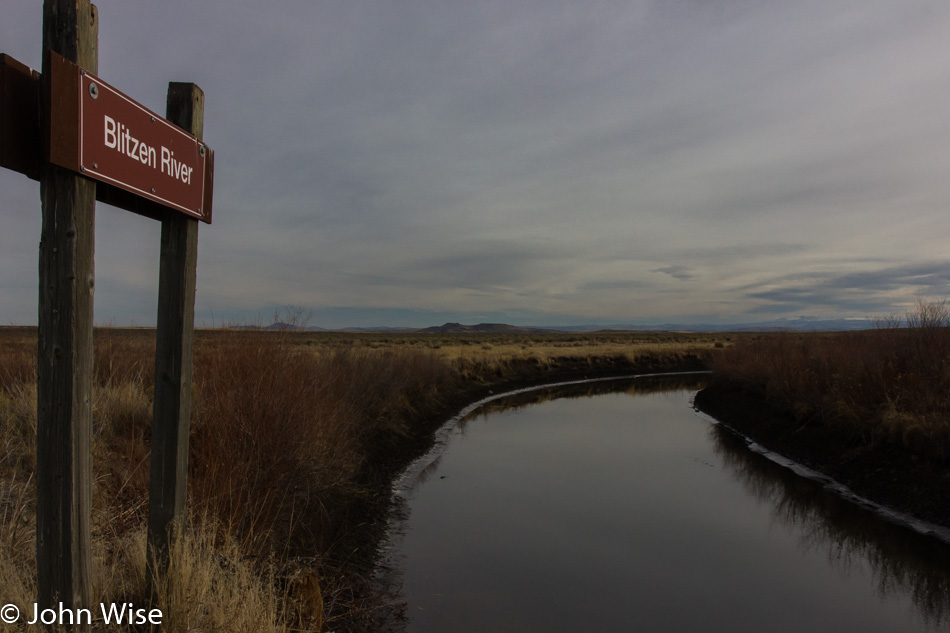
92,142
64,367
173,354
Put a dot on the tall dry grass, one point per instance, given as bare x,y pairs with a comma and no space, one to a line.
281,435
890,384
281,441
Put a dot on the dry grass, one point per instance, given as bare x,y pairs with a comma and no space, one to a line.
287,429
484,346
296,427
211,585
280,437
488,357
890,384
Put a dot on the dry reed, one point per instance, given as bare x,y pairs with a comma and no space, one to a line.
890,384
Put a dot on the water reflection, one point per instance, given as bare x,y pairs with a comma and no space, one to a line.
427,471
630,386
901,561
427,465
667,525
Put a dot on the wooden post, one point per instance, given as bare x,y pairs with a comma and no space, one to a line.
64,367
173,354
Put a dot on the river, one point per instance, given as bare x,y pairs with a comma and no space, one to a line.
613,506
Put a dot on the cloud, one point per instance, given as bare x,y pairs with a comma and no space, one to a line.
863,292
617,160
613,285
683,273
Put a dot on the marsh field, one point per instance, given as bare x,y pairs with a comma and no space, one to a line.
296,437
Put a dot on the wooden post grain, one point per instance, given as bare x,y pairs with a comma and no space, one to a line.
64,366
173,355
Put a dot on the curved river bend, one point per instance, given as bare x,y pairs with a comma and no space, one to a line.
614,507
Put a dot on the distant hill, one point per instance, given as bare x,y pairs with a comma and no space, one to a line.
800,323
492,328
281,326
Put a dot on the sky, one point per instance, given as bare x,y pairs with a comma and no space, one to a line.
530,162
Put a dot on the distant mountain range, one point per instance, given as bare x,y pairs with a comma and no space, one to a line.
800,323
494,328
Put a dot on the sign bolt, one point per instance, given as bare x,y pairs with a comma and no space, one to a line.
94,91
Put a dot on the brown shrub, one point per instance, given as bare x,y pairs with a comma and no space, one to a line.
887,384
280,434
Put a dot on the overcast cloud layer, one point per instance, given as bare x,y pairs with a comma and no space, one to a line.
535,162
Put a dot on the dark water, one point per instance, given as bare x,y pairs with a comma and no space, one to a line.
625,511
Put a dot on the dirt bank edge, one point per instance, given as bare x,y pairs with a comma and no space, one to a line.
883,473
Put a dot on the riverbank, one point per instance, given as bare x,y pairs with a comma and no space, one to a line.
642,478
870,409
883,473
295,440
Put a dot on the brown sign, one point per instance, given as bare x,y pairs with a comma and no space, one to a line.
103,134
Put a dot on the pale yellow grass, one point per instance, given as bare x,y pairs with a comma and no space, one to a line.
211,586
632,350
487,346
